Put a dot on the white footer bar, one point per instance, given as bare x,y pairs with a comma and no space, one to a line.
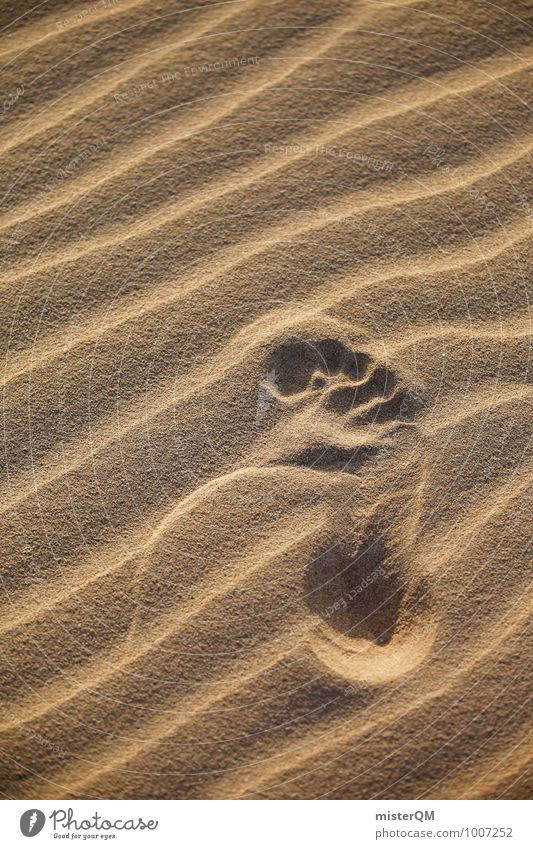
266,824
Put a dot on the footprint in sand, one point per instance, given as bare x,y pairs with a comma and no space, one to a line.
352,413
314,534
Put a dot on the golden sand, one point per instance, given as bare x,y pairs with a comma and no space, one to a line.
265,523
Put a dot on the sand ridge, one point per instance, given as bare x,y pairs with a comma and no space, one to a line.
266,487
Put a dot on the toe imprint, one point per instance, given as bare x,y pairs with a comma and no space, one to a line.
300,365
356,398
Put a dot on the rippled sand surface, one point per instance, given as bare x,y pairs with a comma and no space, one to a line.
265,525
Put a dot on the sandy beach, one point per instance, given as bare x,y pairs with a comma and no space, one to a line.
265,514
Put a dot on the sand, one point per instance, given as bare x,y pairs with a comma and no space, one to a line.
265,526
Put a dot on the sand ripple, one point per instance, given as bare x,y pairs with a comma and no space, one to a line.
265,307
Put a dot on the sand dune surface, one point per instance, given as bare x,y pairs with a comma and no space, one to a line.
265,526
